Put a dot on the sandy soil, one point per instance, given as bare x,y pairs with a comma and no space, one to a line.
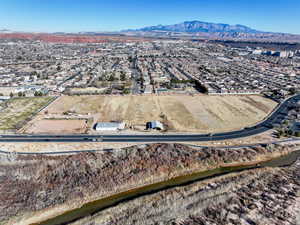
57,126
59,147
229,112
179,113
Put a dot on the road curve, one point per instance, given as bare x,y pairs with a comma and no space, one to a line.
276,117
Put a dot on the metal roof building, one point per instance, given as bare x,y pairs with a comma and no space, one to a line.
109,126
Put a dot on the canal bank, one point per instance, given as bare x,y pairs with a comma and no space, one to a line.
101,204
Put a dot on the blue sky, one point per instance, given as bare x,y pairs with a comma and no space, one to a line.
114,15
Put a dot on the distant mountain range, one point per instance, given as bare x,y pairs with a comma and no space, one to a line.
199,26
206,30
186,30
5,31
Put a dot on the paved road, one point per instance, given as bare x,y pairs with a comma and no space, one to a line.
275,118
136,76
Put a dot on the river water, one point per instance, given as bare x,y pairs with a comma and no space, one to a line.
98,205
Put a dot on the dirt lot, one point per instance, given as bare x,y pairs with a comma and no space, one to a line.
15,112
179,113
57,126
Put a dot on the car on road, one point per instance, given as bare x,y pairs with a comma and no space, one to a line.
97,139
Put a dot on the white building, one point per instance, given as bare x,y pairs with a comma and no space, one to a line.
148,89
257,52
110,126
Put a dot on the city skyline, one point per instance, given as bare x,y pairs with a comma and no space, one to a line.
91,15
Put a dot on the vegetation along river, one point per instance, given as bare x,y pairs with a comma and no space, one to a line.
106,202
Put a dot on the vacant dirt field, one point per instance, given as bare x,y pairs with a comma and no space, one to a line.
180,113
15,112
57,126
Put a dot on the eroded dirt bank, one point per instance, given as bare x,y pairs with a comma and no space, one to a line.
39,187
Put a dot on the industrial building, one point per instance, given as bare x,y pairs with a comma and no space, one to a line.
109,126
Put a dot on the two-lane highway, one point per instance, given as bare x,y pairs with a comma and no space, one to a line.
274,118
